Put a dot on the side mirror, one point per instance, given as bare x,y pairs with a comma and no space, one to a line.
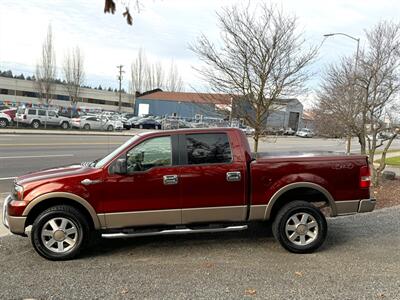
120,166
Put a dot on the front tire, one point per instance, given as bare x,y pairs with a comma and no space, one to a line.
35,124
60,233
65,125
300,227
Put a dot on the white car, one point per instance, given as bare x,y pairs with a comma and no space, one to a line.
96,123
5,120
305,132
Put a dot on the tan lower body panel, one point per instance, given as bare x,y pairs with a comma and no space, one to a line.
257,212
173,216
347,207
214,214
16,224
141,218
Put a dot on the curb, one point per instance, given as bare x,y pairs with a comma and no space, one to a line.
65,132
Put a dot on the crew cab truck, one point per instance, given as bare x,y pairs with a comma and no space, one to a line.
182,181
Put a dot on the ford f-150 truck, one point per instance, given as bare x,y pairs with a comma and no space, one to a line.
182,181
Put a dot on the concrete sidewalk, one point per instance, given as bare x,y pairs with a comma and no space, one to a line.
70,132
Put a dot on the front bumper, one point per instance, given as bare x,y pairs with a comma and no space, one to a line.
15,224
355,206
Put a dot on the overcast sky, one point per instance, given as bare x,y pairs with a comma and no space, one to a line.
163,28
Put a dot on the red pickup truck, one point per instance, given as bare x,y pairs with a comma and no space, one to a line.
182,181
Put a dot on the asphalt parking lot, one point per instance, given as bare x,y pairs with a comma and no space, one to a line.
360,260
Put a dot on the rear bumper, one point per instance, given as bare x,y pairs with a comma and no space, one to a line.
355,206
15,224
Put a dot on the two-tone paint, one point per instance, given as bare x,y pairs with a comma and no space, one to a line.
203,193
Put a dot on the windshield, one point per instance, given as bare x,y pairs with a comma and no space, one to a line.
110,156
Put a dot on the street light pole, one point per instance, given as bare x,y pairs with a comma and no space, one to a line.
348,146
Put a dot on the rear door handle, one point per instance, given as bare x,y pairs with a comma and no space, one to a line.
233,176
170,179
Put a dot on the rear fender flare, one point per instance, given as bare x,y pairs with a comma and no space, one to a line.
295,185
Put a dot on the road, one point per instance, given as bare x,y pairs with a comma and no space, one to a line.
23,153
360,260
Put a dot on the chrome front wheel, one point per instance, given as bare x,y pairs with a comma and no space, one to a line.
59,235
60,232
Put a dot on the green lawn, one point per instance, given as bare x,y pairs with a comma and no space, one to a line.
389,151
394,161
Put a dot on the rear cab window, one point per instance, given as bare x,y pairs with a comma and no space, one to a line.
207,148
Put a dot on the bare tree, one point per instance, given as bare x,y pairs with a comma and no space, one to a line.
74,74
46,69
337,109
174,82
377,86
138,72
147,76
262,59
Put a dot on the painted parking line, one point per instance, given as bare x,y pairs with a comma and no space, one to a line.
37,156
7,178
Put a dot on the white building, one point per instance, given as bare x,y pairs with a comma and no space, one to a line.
20,92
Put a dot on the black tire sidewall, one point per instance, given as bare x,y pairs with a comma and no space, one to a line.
286,212
35,122
75,217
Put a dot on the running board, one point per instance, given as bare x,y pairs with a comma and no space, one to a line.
172,231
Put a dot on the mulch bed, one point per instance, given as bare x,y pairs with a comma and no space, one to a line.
387,194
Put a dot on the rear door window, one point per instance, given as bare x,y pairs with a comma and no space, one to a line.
41,112
31,111
208,148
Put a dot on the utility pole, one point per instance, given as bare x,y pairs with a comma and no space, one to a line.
120,81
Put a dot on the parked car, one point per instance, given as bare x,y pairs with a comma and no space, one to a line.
96,123
305,132
146,123
36,117
12,111
5,120
184,181
289,131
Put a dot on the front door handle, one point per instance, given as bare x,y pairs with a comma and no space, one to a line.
170,179
233,176
89,182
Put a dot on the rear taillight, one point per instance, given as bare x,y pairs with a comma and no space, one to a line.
365,177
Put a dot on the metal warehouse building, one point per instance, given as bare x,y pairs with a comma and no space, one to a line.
179,104
288,112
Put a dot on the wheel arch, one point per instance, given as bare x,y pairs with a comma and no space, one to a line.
41,203
297,191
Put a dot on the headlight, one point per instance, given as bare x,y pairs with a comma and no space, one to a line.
18,192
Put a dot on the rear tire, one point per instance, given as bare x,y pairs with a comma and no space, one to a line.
300,227
110,128
3,123
86,127
60,233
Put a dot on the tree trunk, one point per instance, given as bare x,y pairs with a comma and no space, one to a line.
256,138
348,144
